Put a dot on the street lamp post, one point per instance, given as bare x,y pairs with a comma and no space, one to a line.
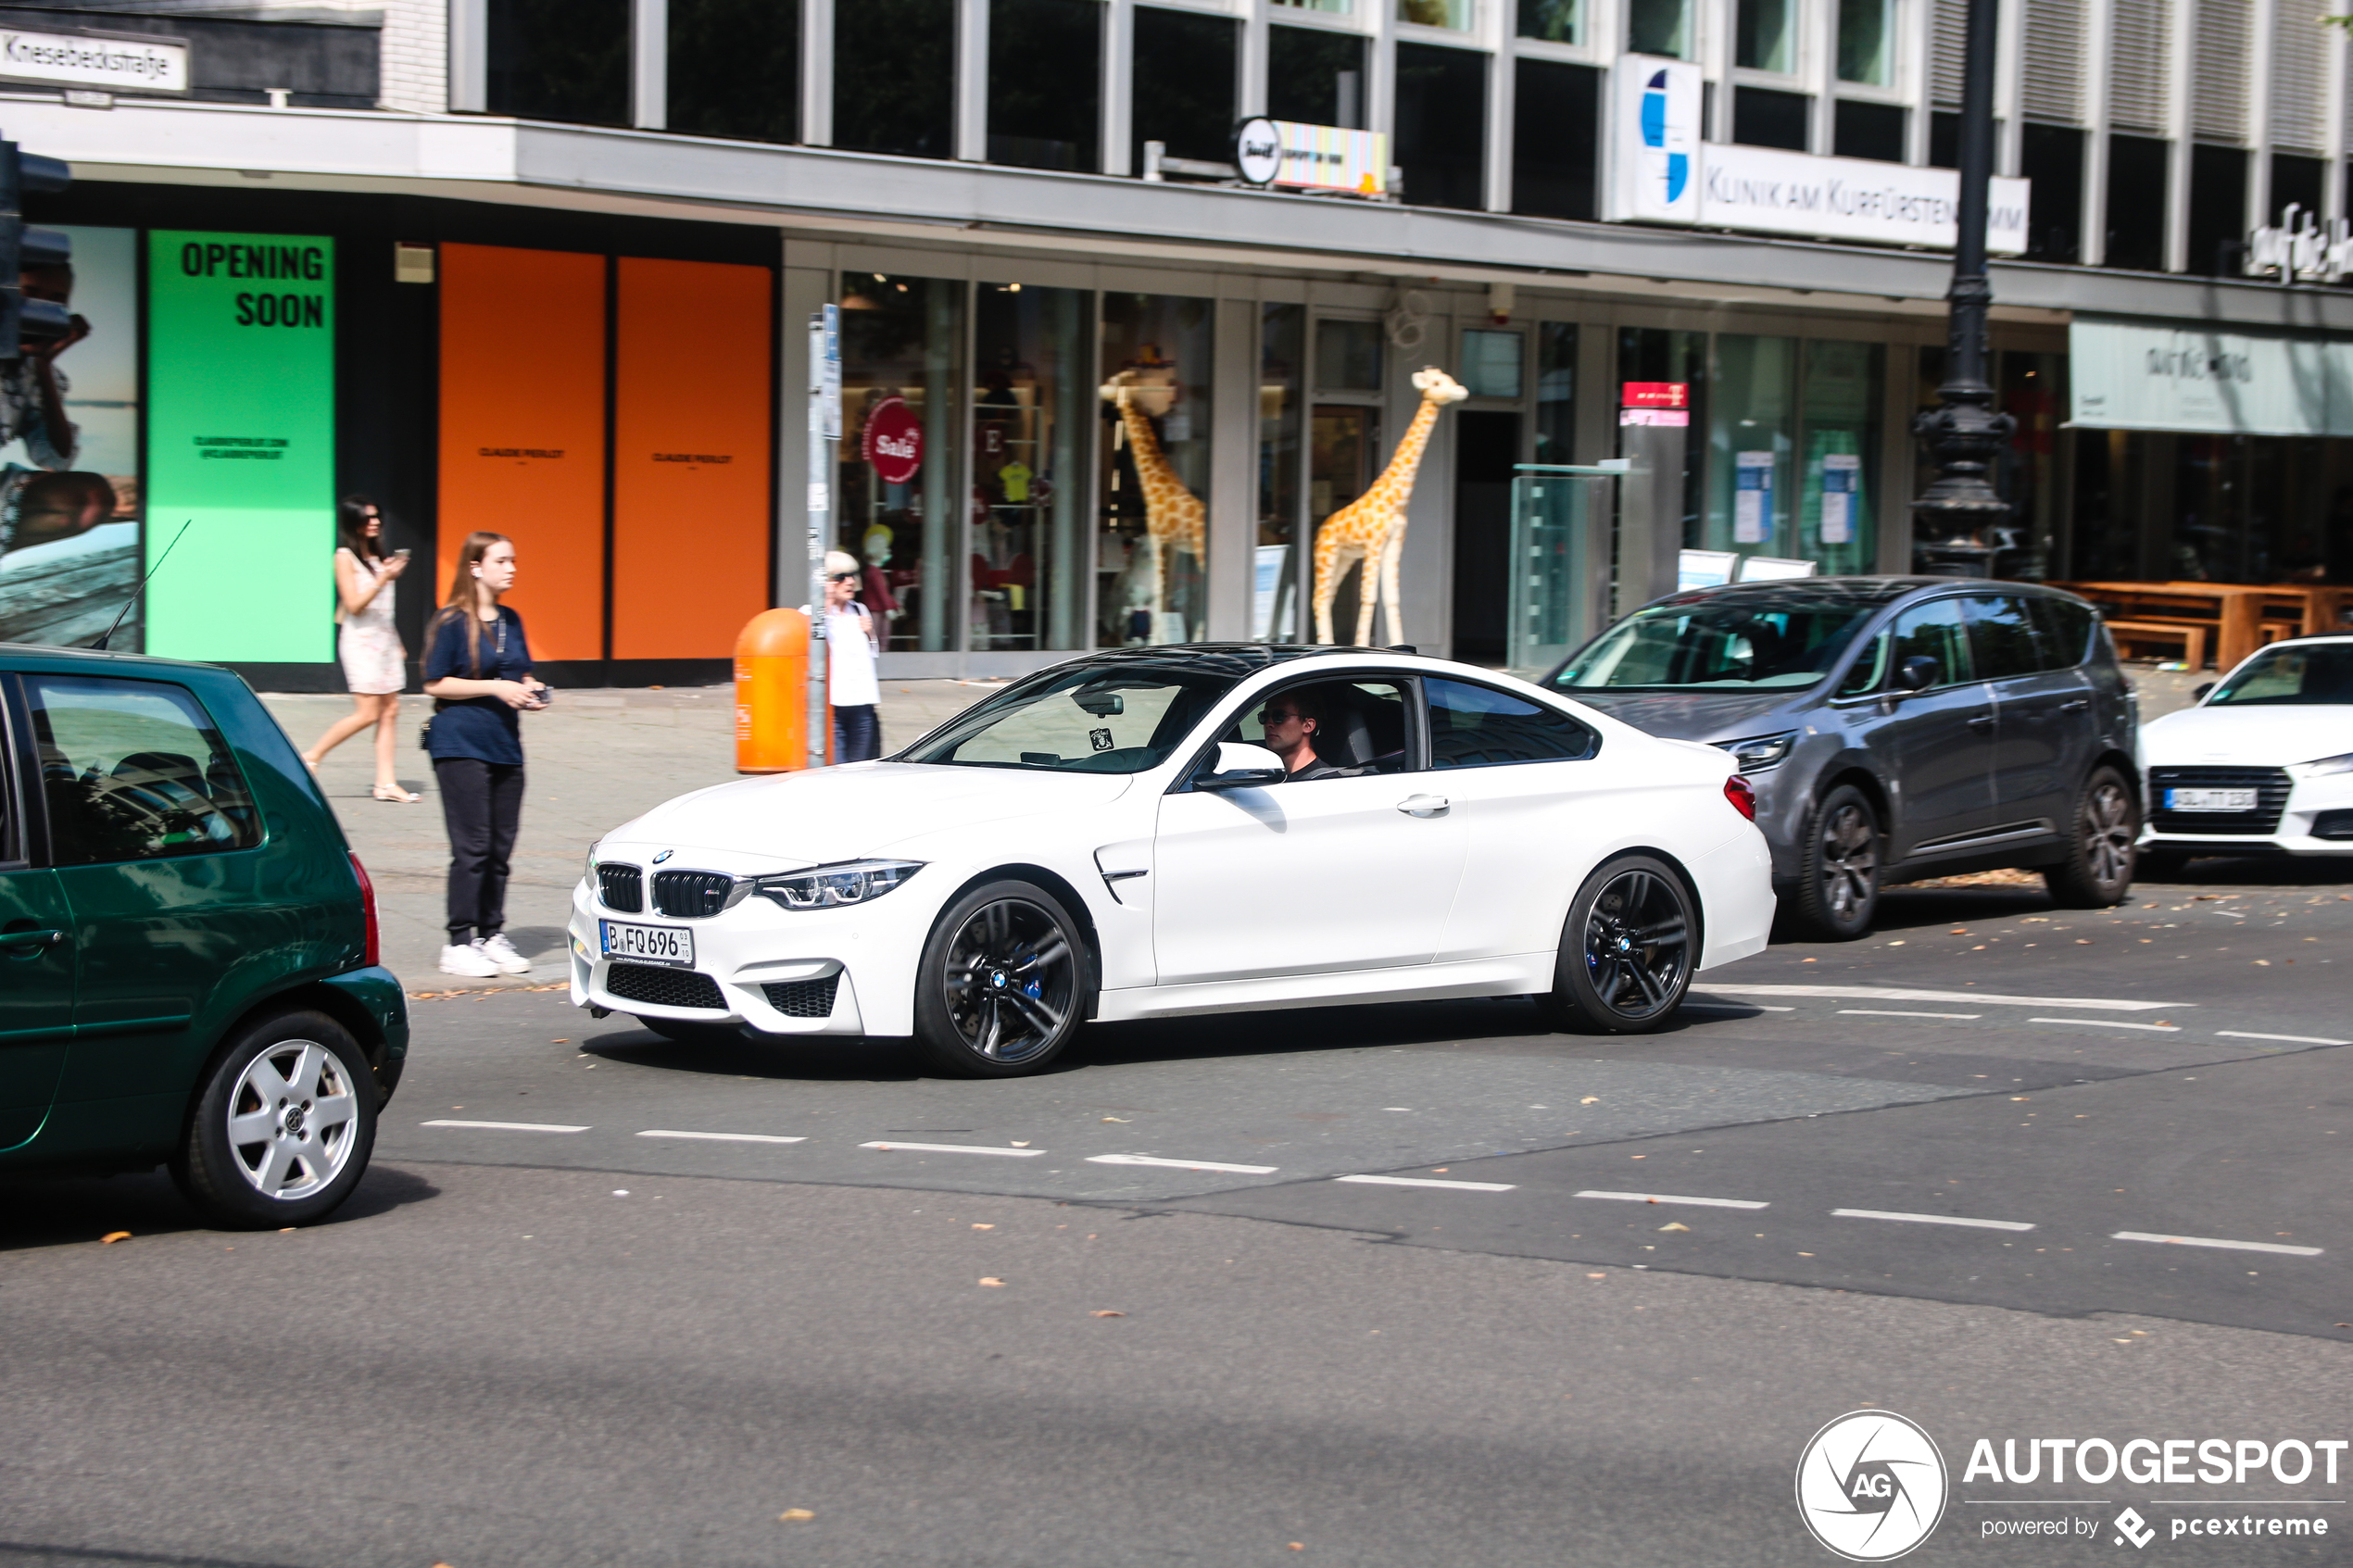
1956,516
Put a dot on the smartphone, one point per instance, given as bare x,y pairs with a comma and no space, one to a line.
400,555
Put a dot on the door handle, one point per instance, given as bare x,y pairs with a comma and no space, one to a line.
1982,721
2078,705
1424,805
33,938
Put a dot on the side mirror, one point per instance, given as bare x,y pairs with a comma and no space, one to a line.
1916,673
1242,767
2199,694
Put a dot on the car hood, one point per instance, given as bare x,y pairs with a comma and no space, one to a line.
863,808
2249,738
1701,716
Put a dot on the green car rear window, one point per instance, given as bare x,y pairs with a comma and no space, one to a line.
134,770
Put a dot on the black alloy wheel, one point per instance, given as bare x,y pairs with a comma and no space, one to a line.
1838,871
2098,871
1626,953
1004,984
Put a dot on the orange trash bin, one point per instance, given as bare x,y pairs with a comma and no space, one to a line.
772,692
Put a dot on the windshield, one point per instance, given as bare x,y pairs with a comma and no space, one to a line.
1719,645
2317,675
1084,719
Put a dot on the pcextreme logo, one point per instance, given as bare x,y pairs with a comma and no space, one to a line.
1871,1485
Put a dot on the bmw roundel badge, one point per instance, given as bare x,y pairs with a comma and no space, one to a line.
664,855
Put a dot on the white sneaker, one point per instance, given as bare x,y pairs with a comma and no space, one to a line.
465,957
501,952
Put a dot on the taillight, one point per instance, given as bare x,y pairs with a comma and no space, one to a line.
1736,789
368,903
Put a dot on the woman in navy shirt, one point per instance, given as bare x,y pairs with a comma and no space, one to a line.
478,671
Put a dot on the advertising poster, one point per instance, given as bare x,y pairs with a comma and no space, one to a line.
241,427
1753,498
69,467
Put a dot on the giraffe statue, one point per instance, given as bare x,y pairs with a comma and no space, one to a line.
1371,529
1174,516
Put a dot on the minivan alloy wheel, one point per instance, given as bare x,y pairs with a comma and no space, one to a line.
2108,825
291,1118
1849,859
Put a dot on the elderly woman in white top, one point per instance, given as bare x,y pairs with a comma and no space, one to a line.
375,665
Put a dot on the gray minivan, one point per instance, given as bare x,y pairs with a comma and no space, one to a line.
1893,728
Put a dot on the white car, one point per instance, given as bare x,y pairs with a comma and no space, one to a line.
1104,840
2263,765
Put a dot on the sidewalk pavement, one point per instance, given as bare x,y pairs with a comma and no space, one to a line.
596,758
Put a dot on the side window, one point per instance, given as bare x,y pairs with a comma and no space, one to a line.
1869,668
1479,727
2001,635
134,770
1933,631
2066,629
1358,726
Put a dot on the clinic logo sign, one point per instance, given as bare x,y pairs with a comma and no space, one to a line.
1655,128
1871,1485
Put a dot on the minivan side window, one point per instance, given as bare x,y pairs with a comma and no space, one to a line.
1480,727
2066,627
2001,635
1868,669
1933,630
134,770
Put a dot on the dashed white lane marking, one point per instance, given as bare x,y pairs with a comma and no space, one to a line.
718,1137
2210,1241
1931,1219
2284,1040
1670,1197
1181,1164
953,1148
1894,994
508,1126
2112,1023
1429,1182
1727,1007
1893,1012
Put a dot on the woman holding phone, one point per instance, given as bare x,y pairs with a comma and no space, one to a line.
375,665
478,672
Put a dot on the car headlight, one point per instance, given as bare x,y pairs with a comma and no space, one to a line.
588,866
836,886
2324,765
1760,752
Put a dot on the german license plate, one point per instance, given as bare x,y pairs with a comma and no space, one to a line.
2210,801
648,944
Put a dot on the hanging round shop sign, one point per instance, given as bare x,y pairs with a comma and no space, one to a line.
892,441
1258,151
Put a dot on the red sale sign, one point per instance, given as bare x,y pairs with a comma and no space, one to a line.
892,441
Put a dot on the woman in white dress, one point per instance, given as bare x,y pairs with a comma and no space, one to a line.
375,665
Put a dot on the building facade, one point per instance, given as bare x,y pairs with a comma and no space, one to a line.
546,267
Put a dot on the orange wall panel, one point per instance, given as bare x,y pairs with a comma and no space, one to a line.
694,439
522,431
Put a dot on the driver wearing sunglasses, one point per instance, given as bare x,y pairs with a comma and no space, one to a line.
1290,720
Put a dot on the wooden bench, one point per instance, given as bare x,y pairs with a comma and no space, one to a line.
2188,636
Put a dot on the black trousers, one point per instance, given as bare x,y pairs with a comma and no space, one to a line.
481,802
857,733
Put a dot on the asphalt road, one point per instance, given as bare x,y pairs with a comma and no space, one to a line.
1134,1312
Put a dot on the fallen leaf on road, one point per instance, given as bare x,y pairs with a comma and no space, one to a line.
1674,1225
112,1236
794,1516
1115,1119
1023,1143
993,1281
1591,1100
1107,1314
981,1228
1299,1546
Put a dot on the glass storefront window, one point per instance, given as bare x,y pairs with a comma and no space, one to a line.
1153,546
559,60
896,495
1276,566
1866,41
1045,83
1343,456
1491,362
1455,14
1766,36
1661,353
894,77
1030,409
1555,21
1339,7
1347,356
1184,79
1751,431
1315,76
1659,27
1556,392
734,68
1838,508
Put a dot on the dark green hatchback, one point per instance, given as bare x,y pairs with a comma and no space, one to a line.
188,970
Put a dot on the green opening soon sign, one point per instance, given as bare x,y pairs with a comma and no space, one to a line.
240,445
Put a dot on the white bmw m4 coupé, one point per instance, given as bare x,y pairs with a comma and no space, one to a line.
1152,832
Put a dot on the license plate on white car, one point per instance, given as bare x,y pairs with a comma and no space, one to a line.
648,944
2210,801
